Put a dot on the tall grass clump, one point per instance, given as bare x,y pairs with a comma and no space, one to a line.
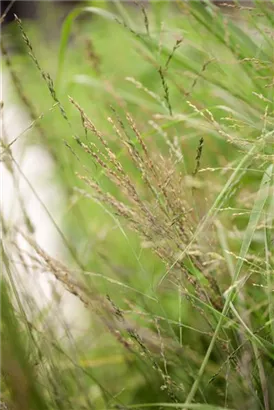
158,118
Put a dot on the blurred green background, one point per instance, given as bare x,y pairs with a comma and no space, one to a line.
198,81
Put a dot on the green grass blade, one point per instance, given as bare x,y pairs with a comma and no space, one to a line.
196,406
269,272
66,30
218,203
253,221
19,373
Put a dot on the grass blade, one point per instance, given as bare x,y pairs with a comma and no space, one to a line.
253,221
66,30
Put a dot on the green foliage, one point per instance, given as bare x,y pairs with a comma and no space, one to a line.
159,122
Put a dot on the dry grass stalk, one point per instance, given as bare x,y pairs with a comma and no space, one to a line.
163,219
